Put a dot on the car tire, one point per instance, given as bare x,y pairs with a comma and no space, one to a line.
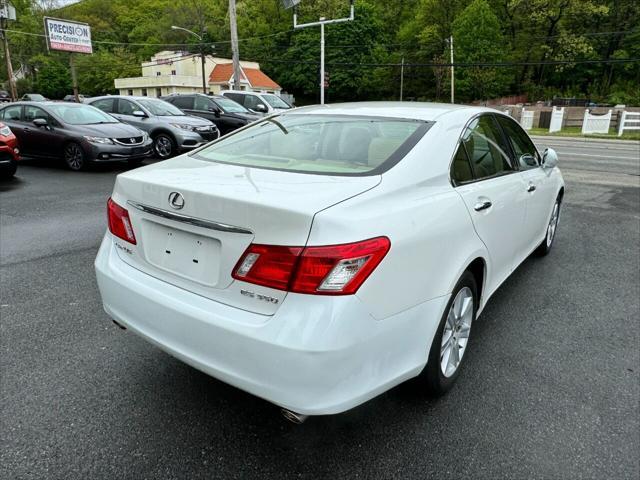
164,146
545,247
442,369
9,171
74,157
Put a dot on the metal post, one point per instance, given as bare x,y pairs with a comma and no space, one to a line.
234,44
74,77
202,60
401,77
322,63
322,23
7,56
452,74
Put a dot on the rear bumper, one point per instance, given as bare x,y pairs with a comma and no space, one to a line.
316,355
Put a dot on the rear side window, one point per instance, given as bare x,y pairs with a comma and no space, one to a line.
11,113
485,145
319,144
525,151
106,104
182,101
236,97
461,168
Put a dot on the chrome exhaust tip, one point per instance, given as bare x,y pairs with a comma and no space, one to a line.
293,417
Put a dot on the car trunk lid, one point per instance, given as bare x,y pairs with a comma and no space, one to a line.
194,219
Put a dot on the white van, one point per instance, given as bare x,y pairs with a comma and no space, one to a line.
265,103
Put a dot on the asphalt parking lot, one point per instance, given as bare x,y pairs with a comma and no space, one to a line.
550,388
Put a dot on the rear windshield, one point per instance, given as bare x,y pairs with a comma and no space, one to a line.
319,144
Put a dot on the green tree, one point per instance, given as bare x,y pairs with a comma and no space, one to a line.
477,38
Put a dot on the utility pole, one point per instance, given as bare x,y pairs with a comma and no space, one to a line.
74,77
322,23
452,75
401,77
6,8
202,56
235,54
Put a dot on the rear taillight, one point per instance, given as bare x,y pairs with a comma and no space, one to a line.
119,222
330,270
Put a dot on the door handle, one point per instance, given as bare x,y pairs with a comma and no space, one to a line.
531,188
482,206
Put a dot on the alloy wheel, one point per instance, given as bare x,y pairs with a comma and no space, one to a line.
74,156
456,332
553,223
164,146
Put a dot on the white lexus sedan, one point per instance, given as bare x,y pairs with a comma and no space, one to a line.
318,257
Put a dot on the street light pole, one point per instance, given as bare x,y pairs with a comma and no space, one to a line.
322,23
452,75
202,56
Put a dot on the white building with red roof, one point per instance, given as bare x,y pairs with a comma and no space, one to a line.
180,72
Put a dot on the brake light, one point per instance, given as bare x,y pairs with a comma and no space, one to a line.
119,222
330,270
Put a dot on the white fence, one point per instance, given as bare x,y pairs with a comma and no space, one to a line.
596,123
556,119
628,121
526,119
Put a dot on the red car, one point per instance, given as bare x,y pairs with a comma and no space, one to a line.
9,153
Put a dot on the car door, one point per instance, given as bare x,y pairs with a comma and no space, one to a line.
45,141
495,197
255,104
539,187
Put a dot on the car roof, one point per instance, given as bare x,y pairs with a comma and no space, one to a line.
412,110
47,103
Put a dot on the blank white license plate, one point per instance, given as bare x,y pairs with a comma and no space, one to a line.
186,254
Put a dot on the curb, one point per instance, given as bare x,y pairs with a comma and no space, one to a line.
584,139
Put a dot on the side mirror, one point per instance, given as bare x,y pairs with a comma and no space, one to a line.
40,122
139,113
549,158
262,108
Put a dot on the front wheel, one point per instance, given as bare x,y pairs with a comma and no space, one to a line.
452,337
74,157
9,170
545,247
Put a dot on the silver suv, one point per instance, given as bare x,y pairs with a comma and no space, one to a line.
170,128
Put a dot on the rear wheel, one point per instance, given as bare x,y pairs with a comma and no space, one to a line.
452,338
545,247
164,146
74,156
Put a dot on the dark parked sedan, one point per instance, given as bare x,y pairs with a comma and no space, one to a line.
79,134
224,112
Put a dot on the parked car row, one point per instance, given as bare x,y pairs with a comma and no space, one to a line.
123,128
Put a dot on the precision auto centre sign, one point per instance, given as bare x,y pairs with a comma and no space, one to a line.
68,36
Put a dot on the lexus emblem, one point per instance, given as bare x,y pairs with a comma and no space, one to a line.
176,200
